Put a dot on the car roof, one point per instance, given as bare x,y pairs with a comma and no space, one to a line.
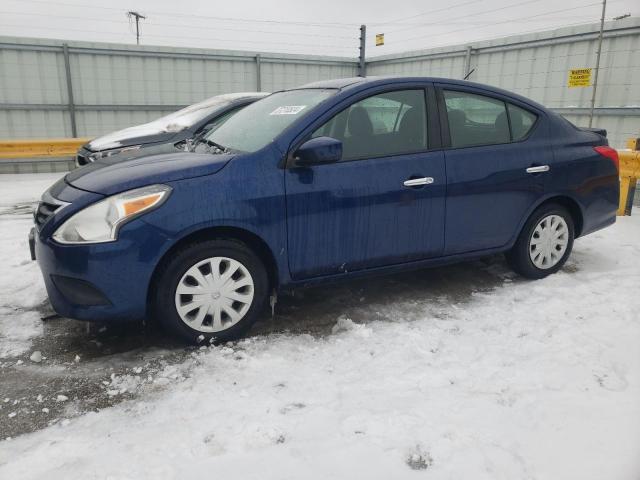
366,82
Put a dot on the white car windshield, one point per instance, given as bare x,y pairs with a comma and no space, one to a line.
172,123
188,116
255,126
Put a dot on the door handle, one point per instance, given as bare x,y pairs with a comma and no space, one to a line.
417,182
538,169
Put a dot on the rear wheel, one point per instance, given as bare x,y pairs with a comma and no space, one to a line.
544,244
212,290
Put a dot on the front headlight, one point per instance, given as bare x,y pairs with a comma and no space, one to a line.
109,153
100,222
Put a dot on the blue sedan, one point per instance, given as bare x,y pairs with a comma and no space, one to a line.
331,180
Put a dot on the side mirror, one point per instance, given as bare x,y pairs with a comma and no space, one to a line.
317,151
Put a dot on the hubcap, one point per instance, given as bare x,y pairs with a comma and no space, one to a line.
214,294
549,241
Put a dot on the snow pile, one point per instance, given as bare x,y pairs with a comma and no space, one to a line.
24,189
21,286
530,380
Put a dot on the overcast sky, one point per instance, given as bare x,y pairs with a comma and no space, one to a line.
328,27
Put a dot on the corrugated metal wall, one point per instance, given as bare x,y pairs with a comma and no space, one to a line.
537,66
114,86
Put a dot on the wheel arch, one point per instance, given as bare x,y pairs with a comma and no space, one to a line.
572,206
565,200
253,241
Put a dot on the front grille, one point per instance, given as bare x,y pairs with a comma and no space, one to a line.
43,212
46,208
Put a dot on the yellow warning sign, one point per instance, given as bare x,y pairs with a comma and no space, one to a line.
580,77
379,39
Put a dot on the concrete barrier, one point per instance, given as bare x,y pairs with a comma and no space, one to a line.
629,175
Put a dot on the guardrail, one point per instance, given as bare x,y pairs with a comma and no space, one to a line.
53,147
629,174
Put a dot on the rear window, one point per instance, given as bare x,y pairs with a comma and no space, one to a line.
476,119
521,122
480,120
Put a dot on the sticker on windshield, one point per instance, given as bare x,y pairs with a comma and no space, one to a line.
288,110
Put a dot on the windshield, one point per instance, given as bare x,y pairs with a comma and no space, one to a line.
258,124
188,116
172,123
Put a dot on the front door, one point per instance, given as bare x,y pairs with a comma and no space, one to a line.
382,204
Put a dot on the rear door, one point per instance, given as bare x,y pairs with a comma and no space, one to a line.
497,159
383,203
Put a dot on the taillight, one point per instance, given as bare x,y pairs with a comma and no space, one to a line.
610,153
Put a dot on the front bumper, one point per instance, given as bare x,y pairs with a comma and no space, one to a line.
104,281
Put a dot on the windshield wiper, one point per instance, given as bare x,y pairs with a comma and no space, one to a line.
217,146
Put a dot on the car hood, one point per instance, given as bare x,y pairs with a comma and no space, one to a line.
138,135
110,175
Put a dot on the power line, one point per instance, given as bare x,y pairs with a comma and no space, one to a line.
294,24
451,7
201,39
190,27
453,19
502,22
260,42
475,24
506,7
511,20
494,37
179,14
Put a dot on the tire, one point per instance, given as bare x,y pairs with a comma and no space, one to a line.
521,256
219,323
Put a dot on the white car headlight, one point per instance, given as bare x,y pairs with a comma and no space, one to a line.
108,153
99,222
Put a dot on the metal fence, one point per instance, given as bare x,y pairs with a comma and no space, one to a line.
55,89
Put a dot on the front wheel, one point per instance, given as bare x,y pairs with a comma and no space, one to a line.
211,291
544,244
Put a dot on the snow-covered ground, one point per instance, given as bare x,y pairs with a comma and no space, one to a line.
21,289
467,372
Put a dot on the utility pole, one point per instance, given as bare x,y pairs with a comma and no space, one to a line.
467,63
595,79
138,17
362,69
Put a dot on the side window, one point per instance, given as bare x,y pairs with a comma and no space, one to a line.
521,122
476,119
390,123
